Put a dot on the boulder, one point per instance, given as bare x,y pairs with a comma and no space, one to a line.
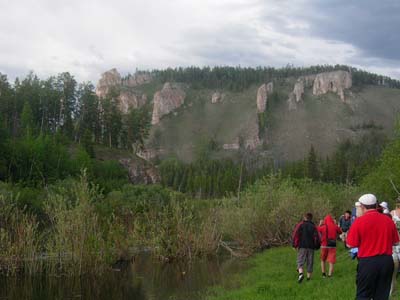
140,172
167,100
262,96
336,82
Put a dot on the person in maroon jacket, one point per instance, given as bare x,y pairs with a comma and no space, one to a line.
305,240
328,231
374,234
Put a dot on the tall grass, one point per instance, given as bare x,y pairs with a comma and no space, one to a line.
19,238
84,232
76,242
266,213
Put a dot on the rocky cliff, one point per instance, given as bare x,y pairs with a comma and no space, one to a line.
128,97
322,83
140,173
335,82
167,100
262,96
108,80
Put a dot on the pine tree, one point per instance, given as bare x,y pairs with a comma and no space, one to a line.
312,165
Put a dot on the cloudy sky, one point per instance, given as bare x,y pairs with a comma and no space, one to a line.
87,37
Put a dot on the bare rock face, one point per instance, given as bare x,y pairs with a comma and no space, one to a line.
217,97
252,138
335,82
149,154
167,100
128,97
262,96
137,79
107,81
129,100
298,89
140,173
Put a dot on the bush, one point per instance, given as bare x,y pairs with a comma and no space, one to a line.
266,213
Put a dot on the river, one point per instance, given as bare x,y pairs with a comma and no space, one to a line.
144,279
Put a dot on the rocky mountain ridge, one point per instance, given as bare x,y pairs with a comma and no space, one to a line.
232,119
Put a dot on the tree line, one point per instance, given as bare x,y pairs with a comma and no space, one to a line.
60,105
240,78
211,178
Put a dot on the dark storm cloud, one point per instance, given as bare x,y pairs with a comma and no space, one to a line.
372,26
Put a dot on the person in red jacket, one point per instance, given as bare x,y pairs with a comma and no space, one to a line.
375,235
328,231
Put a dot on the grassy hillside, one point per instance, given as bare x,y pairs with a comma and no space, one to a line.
199,120
272,276
322,121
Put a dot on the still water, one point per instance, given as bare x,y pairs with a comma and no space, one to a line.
145,279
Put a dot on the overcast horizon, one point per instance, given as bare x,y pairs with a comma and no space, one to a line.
89,37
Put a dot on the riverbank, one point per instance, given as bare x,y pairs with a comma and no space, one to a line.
272,275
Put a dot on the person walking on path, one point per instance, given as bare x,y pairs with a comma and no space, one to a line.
328,231
306,240
344,224
374,234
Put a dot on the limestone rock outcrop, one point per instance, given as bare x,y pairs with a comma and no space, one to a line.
129,100
298,90
140,172
252,140
136,79
301,84
167,100
128,97
108,80
336,82
262,96
217,97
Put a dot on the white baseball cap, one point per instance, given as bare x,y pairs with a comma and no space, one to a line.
367,199
357,204
384,205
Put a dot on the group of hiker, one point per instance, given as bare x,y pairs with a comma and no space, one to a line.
370,231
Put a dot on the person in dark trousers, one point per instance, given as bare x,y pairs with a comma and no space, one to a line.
374,234
344,224
328,232
306,241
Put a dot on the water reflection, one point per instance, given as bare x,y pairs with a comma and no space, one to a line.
145,279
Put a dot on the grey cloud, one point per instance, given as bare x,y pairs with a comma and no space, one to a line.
88,37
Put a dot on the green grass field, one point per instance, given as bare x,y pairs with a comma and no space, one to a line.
272,275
